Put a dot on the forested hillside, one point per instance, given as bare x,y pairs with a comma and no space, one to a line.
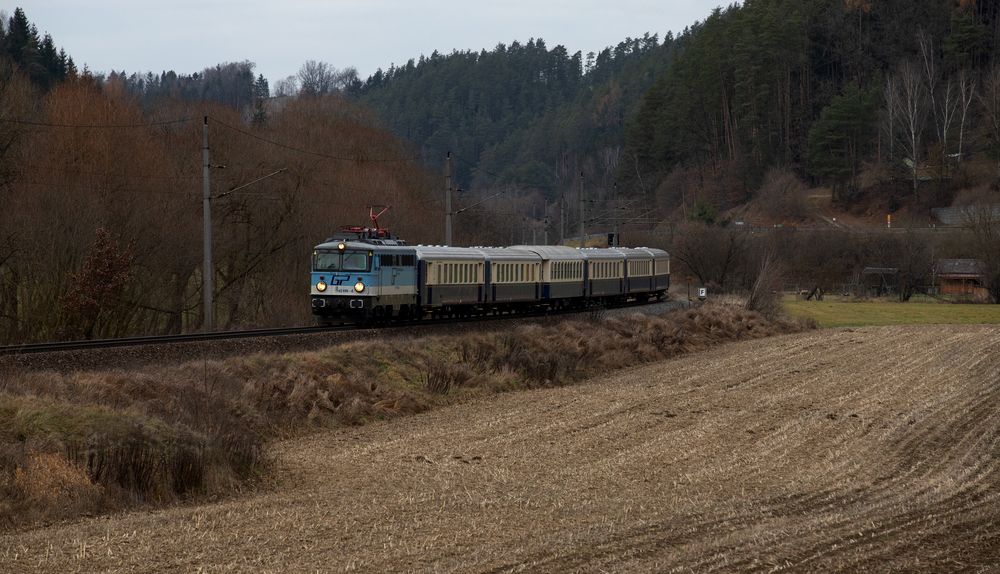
858,95
826,88
521,115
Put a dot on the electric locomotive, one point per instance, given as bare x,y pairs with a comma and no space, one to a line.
361,274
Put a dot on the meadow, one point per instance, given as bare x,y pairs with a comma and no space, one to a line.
846,313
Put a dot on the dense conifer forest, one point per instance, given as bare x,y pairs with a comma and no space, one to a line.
694,123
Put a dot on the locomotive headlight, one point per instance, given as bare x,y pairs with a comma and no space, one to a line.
341,246
321,286
359,286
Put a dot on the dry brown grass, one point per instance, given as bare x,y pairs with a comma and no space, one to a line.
197,429
837,450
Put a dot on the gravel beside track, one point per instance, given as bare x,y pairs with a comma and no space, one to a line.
855,450
180,352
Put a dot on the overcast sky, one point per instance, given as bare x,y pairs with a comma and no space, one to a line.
279,35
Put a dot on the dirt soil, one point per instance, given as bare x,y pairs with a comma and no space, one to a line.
856,450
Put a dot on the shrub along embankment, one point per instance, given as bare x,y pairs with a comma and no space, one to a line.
92,442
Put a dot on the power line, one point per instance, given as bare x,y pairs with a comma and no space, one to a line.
71,171
94,126
308,152
53,185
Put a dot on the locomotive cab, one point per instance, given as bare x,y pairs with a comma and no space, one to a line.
343,281
370,276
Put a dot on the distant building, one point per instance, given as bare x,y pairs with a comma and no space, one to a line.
966,214
963,278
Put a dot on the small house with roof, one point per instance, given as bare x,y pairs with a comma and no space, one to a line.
963,278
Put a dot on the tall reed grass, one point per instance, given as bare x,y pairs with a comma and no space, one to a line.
90,442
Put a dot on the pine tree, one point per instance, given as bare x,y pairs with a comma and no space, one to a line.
840,139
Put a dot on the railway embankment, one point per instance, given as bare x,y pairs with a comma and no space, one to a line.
88,442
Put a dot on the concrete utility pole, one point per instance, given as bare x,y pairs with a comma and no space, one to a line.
447,199
583,238
206,272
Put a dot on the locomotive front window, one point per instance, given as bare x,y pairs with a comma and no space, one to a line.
355,261
340,261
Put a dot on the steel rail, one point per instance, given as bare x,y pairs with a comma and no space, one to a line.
85,344
158,339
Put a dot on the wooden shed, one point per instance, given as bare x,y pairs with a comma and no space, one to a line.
962,278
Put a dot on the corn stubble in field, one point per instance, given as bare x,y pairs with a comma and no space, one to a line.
94,442
866,450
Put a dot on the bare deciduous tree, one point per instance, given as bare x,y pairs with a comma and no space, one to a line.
989,100
317,78
966,93
910,101
711,254
286,87
984,223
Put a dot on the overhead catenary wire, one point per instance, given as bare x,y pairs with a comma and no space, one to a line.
141,190
310,152
95,126
74,171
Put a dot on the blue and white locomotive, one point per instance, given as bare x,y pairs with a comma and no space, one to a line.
366,274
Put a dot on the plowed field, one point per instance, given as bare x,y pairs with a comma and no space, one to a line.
868,449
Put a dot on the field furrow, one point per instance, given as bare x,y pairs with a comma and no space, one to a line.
851,450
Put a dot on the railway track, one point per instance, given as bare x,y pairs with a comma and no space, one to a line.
83,345
160,339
